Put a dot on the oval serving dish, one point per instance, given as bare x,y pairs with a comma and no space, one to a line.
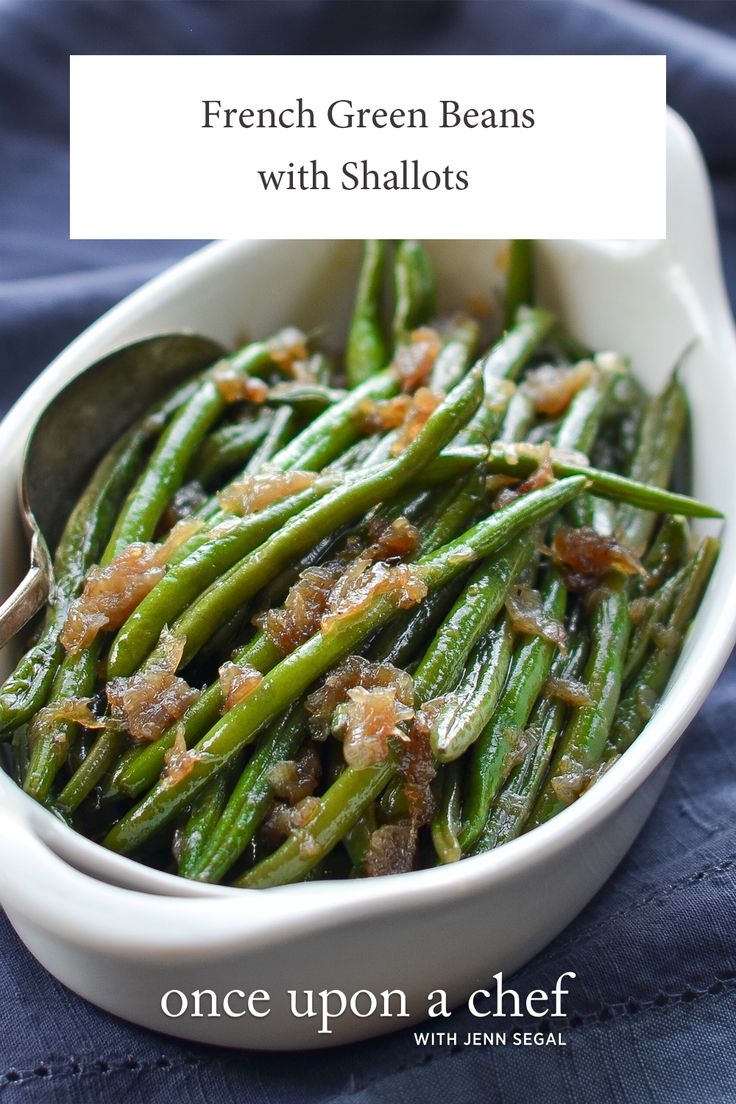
121,934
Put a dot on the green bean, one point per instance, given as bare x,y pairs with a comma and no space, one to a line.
297,671
657,590
656,612
447,820
470,617
519,417
581,423
305,397
340,808
76,675
453,463
638,702
206,811
492,755
186,580
336,429
579,429
454,357
659,435
167,467
505,361
514,804
275,442
251,798
402,638
140,768
414,289
51,736
431,678
354,457
667,553
406,636
467,710
226,449
336,508
357,840
366,351
519,277
521,461
20,753
583,742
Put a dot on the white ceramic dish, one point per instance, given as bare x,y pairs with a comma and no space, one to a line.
122,935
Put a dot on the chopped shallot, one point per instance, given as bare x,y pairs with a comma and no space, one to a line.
569,690
587,556
551,388
410,412
542,476
111,593
402,583
150,701
424,404
355,672
237,681
294,779
289,349
70,711
524,607
235,386
392,540
414,360
369,720
256,492
178,760
391,850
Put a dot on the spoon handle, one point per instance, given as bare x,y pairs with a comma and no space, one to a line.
26,600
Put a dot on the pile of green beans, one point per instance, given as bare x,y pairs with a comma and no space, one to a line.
528,673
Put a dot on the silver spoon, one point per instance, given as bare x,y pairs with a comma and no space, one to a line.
70,436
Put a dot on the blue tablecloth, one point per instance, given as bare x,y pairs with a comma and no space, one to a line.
654,1008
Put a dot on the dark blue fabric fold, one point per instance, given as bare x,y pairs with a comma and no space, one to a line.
652,1014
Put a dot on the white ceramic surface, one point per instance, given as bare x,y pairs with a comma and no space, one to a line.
122,935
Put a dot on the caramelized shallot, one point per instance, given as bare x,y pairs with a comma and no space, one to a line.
237,681
391,850
410,412
111,593
552,388
414,360
368,721
353,672
294,779
289,349
70,710
392,540
402,583
569,690
152,700
179,761
304,607
256,492
586,557
542,476
235,386
424,404
526,611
